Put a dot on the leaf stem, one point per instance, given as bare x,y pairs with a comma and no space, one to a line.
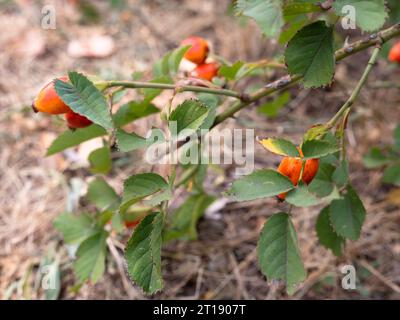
356,90
167,86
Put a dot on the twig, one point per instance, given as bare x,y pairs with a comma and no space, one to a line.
347,105
287,81
380,276
167,86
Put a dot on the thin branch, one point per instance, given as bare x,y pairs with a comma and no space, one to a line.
287,81
357,89
167,86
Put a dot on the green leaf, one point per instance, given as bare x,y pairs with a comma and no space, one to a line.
100,160
326,235
297,8
184,220
133,110
347,215
370,15
280,146
322,184
169,64
91,258
278,252
190,114
84,98
319,131
140,186
260,184
301,196
130,141
143,253
267,14
311,53
211,101
271,109
292,28
102,195
341,174
71,138
317,149
392,175
230,71
75,228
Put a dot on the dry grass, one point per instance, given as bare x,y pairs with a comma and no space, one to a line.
222,263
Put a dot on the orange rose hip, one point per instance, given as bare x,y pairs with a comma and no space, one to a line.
75,120
198,51
48,101
206,71
291,168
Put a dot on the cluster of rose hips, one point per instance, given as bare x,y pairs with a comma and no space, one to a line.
48,101
198,53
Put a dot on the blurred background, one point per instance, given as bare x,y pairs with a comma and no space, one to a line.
115,39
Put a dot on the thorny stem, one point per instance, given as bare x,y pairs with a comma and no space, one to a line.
347,105
167,86
287,81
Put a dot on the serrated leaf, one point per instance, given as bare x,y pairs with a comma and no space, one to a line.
130,141
100,160
102,195
267,14
91,258
341,174
392,175
322,184
143,253
347,215
71,138
280,146
184,220
140,186
84,98
190,114
311,53
75,228
317,149
278,252
301,196
259,184
271,109
133,110
370,15
327,235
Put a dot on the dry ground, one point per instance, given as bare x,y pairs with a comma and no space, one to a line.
222,263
